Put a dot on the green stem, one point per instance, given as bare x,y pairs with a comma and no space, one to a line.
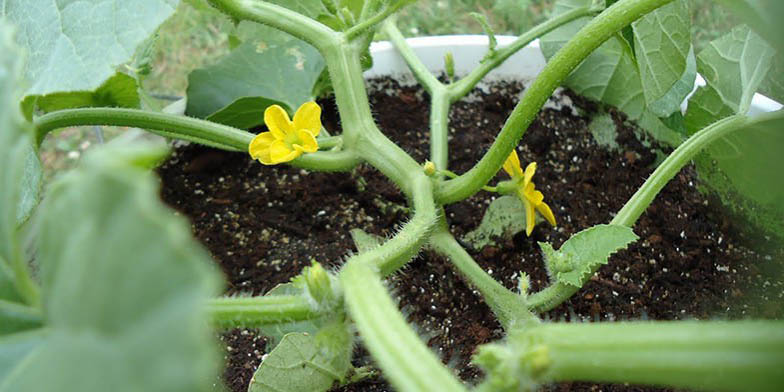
328,161
405,359
464,86
18,317
716,356
360,28
418,68
164,124
557,69
439,127
509,307
252,312
399,250
360,133
557,293
284,19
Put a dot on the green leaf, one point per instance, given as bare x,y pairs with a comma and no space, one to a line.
14,348
364,241
120,90
745,169
504,218
124,286
764,16
609,74
305,362
244,113
275,70
77,45
276,332
16,197
662,43
16,318
603,130
670,102
773,85
32,179
578,257
733,67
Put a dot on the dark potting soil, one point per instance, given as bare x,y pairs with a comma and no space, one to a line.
264,224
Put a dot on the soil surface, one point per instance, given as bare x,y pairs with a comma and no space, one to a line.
264,224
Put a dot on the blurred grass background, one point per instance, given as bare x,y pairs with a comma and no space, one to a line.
196,36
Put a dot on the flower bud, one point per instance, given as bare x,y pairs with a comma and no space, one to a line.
318,282
430,168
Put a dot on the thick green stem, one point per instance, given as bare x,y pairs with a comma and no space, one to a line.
164,124
252,312
284,19
715,356
462,87
405,359
420,71
509,307
439,128
590,37
395,253
557,293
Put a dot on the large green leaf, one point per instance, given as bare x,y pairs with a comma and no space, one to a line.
733,67
662,44
609,74
764,16
15,147
574,262
264,69
77,45
773,85
124,286
305,362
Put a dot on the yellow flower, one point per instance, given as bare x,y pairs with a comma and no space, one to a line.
286,139
533,200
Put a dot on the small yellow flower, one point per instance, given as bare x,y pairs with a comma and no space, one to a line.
533,200
286,139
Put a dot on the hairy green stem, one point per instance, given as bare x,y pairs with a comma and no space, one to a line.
557,293
589,38
464,86
405,359
253,312
396,252
715,355
320,36
164,124
510,308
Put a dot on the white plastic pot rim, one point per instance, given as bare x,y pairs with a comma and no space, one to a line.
468,51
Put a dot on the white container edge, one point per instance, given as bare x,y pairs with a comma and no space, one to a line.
468,50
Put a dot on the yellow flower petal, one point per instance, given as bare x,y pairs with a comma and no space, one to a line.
259,147
546,212
278,122
512,165
308,116
309,143
534,196
530,217
279,152
529,173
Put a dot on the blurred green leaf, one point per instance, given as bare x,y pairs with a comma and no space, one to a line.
573,263
17,193
733,67
273,69
773,85
120,90
124,286
305,362
364,241
77,45
764,16
604,132
662,43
